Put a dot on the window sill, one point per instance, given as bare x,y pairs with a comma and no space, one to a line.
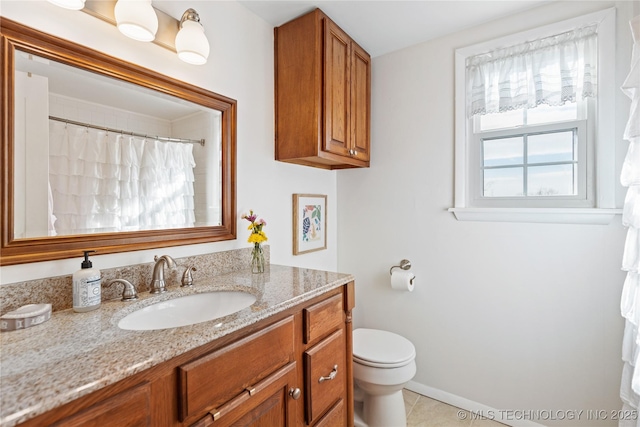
537,215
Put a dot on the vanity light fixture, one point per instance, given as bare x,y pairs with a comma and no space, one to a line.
136,19
139,20
191,43
69,4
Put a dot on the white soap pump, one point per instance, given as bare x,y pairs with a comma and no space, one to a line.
87,290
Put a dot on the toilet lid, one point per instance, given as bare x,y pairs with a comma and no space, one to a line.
382,349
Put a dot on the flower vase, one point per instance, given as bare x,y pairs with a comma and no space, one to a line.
257,259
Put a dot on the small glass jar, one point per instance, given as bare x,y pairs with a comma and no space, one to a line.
257,259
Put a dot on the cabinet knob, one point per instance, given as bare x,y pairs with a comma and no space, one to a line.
331,375
355,152
295,393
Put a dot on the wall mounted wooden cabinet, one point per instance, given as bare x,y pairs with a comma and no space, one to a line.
323,95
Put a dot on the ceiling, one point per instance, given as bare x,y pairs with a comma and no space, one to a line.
382,26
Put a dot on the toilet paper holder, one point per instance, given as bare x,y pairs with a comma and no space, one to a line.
405,264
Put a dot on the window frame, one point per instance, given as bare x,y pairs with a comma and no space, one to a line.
600,177
584,198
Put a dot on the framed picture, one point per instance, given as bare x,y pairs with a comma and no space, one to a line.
309,223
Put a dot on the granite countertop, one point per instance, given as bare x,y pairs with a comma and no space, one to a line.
74,354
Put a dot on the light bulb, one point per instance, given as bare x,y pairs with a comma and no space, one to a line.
191,43
136,19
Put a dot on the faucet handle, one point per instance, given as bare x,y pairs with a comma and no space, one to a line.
187,277
129,292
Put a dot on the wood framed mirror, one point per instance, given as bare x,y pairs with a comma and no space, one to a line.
23,242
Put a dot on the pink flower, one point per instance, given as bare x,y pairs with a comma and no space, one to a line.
251,217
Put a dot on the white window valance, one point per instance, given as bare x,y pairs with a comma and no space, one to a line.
550,70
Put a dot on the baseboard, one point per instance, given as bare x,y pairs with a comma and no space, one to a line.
477,410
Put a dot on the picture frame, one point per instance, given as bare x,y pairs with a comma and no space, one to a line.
309,223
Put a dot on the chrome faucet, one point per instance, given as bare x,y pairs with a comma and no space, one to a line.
129,292
157,280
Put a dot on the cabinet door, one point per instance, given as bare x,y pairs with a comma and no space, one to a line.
337,70
335,417
360,103
129,408
265,405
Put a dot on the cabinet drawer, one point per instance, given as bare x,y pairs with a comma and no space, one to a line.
325,369
322,318
211,380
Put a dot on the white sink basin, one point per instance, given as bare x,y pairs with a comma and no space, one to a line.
187,310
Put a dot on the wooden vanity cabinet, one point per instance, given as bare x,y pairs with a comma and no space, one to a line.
264,375
322,95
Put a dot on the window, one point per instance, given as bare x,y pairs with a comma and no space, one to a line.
529,118
533,157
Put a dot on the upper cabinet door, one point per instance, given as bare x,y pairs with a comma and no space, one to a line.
360,103
337,71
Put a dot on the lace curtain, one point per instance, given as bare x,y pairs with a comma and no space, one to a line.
630,177
551,70
104,182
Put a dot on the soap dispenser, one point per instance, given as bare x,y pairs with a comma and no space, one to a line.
87,290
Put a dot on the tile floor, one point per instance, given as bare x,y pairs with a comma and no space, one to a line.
425,412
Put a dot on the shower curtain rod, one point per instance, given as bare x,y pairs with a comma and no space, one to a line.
124,132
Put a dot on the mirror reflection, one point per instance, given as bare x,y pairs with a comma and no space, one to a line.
99,155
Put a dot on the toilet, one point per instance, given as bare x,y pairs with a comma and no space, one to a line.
383,362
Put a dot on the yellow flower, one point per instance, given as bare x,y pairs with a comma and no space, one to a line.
255,226
257,238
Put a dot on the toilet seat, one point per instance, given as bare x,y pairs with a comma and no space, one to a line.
381,349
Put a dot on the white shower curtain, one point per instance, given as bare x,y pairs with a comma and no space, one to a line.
630,303
104,181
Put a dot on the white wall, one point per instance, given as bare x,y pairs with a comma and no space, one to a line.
241,67
511,316
69,108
